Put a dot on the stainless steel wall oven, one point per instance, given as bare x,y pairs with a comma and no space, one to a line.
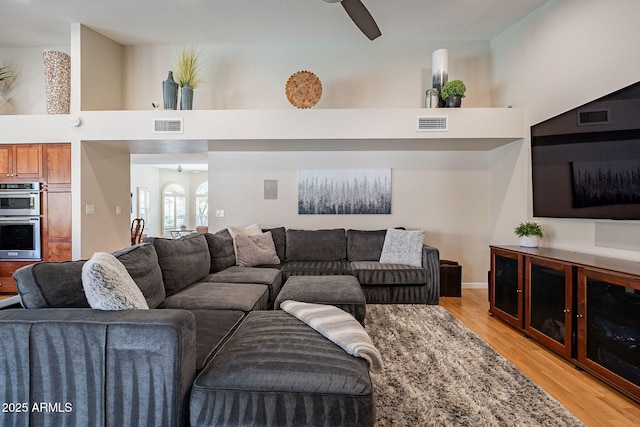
20,221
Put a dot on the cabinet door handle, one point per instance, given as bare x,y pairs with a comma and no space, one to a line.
519,291
566,310
579,316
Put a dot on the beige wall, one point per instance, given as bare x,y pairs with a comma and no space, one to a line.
356,75
101,72
566,53
445,193
105,180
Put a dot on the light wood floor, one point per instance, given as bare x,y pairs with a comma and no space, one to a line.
593,402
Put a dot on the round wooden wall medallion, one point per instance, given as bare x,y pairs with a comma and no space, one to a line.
303,89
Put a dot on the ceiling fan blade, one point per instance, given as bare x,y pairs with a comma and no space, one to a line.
362,18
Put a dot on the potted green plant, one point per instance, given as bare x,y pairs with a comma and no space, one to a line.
529,234
187,74
453,92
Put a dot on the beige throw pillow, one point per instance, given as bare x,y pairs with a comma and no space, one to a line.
256,250
249,230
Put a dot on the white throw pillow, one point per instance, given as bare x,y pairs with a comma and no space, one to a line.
249,230
108,285
256,250
403,247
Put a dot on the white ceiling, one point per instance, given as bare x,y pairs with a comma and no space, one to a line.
43,23
46,23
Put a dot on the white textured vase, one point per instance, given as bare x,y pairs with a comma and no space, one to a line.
57,81
529,241
439,68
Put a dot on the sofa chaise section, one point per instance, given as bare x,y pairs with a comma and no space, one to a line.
96,367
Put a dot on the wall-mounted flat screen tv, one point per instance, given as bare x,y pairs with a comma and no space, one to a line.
586,162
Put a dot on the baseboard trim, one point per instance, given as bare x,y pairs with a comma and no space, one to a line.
475,285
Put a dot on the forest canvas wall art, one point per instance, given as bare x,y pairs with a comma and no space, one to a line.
606,182
344,191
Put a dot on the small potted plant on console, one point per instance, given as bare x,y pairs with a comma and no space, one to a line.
529,234
452,93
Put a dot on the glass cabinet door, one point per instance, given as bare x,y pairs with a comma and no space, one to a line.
506,286
548,303
609,327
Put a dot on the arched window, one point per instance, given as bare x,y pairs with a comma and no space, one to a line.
174,208
202,204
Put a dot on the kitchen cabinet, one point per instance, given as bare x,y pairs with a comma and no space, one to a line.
21,162
7,268
56,203
50,164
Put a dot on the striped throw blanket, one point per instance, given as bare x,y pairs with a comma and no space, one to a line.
339,327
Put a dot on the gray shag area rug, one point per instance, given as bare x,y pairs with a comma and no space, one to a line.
437,372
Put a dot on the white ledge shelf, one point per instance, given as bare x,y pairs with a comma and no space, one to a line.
469,129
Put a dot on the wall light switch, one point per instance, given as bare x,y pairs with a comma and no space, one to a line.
118,209
219,213
90,209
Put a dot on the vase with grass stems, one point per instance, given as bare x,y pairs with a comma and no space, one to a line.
187,74
186,97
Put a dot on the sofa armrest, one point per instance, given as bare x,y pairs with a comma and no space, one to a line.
90,367
431,263
11,302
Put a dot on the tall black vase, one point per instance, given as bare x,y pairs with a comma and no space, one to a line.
170,93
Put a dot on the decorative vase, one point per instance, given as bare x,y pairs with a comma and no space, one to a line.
454,101
529,241
432,99
186,97
170,93
439,70
57,81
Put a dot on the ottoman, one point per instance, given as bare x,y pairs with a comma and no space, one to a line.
277,371
341,291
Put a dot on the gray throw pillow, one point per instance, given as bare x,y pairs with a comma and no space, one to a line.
108,285
403,247
256,250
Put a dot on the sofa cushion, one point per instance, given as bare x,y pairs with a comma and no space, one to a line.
51,284
292,376
221,250
403,247
315,268
108,285
270,277
365,245
342,291
256,250
279,235
59,284
316,245
141,261
220,296
183,261
213,328
375,273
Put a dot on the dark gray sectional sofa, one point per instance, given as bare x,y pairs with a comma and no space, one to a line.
163,366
